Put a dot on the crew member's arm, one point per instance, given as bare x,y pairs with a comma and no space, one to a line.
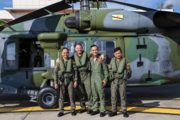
56,69
75,74
105,70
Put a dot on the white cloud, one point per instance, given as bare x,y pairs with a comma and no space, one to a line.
176,3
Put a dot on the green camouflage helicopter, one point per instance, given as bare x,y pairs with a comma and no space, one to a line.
30,46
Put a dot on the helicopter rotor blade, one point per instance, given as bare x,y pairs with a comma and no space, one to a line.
62,5
132,5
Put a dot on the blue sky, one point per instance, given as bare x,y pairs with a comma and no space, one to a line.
146,3
5,3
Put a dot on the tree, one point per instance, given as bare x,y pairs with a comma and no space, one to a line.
170,6
160,6
2,22
101,4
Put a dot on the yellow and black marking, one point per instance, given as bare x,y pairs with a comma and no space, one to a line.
117,17
130,109
74,63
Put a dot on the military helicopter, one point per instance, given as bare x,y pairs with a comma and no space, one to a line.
30,45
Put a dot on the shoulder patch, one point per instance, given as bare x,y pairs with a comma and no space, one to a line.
110,66
128,65
56,66
74,63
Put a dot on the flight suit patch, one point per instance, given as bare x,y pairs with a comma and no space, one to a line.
110,66
98,60
74,63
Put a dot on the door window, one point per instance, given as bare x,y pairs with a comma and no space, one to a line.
106,48
11,52
71,46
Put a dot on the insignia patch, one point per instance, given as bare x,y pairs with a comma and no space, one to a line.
98,60
74,63
105,65
128,65
109,66
117,17
56,66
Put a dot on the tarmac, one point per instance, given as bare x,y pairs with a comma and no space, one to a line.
144,103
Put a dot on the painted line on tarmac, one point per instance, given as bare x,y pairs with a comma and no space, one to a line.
131,109
153,99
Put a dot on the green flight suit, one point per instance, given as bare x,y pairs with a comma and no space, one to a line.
65,79
118,83
99,72
84,78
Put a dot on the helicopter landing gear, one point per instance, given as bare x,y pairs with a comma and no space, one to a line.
47,98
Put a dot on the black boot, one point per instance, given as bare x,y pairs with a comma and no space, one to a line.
73,113
111,114
81,111
60,114
94,112
125,114
102,114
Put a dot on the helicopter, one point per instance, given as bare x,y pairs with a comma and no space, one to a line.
30,45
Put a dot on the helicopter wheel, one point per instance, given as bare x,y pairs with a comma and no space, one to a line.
47,98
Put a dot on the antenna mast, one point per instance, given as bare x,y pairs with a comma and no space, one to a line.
84,5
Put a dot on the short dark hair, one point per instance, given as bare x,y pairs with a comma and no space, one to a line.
116,49
94,46
78,44
64,49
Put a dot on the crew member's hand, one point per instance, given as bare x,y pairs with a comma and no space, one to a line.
104,83
102,57
57,61
56,86
75,84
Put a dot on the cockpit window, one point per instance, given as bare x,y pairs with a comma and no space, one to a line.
106,48
71,46
11,52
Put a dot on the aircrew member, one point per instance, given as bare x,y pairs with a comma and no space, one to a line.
82,60
63,74
118,75
99,75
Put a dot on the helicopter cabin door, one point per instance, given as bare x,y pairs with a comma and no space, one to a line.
11,57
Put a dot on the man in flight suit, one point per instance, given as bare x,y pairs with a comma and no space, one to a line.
82,61
63,74
99,75
118,75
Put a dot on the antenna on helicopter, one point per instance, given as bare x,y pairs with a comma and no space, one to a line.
85,5
72,6
98,4
80,5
